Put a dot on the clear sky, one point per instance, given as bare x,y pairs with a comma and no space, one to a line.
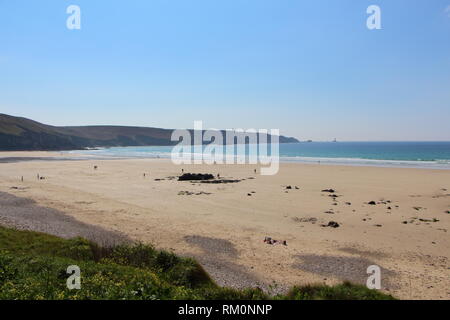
310,68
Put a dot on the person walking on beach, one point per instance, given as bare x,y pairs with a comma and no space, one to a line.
38,176
22,179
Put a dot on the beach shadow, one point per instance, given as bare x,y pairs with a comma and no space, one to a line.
218,258
213,246
25,214
353,269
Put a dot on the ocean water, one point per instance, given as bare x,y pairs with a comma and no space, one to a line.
434,155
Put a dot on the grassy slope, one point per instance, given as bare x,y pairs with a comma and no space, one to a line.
33,266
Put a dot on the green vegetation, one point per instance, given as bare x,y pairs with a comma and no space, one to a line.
33,266
345,291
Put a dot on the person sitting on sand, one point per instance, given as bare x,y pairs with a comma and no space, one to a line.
269,240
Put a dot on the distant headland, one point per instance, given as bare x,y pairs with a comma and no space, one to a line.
17,134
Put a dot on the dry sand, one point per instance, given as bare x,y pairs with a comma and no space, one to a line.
224,225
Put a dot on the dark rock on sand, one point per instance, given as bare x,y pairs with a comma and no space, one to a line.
310,219
189,193
185,193
195,177
429,220
329,190
221,181
331,224
372,203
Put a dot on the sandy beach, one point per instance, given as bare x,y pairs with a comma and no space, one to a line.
406,231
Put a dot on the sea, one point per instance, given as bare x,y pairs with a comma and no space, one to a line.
431,155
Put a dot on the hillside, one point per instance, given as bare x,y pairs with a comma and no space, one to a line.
24,134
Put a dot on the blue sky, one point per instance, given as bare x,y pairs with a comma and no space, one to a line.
309,68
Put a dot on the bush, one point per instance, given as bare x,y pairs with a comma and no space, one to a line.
344,291
7,269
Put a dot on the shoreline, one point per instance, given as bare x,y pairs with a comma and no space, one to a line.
74,155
